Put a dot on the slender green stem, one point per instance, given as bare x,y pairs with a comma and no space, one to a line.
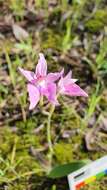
49,131
41,101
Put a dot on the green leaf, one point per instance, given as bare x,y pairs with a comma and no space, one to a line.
64,170
1,172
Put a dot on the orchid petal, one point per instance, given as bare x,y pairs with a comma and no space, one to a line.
68,80
50,93
34,95
52,77
41,68
28,74
74,90
61,84
68,76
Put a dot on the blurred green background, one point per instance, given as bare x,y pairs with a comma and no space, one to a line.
71,34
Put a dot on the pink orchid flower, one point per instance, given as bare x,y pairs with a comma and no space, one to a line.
67,86
40,83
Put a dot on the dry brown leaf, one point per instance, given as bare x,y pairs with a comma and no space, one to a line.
19,33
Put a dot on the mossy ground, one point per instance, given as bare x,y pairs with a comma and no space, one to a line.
70,35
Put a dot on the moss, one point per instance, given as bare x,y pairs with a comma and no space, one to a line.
23,160
63,152
6,44
98,21
51,40
29,125
97,185
17,186
6,140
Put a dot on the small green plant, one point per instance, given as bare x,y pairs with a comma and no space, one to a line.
66,43
17,6
97,22
53,187
93,102
13,80
99,67
101,59
41,3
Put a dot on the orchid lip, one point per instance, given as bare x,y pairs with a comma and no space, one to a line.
40,82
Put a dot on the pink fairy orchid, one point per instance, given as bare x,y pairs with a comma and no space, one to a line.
40,83
67,86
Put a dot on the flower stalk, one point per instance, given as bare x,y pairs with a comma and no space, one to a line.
49,140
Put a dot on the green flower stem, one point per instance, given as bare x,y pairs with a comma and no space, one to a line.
49,130
41,101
